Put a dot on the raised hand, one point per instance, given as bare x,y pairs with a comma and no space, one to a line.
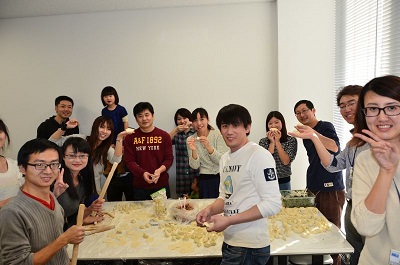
303,132
191,142
60,187
386,154
72,123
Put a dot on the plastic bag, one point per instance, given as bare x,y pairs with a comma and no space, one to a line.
160,203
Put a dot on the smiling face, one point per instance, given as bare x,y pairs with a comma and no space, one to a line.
64,109
305,115
182,120
384,126
75,162
235,136
200,124
104,131
348,107
41,179
274,123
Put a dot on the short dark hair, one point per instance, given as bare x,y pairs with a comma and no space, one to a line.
308,103
142,106
280,117
35,146
185,113
107,91
233,114
3,128
61,98
350,90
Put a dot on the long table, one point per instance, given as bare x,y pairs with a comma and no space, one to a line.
139,234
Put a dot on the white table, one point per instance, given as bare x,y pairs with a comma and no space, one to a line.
95,248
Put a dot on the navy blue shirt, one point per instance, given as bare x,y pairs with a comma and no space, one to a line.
318,178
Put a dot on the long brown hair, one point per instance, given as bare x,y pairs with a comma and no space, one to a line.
385,86
99,151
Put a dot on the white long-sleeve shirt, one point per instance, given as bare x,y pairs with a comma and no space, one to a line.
248,178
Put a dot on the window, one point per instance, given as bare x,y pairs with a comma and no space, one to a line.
367,45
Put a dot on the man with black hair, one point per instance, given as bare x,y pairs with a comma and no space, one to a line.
63,107
31,224
148,154
248,192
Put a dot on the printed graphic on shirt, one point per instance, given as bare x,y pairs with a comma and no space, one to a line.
269,174
145,143
228,187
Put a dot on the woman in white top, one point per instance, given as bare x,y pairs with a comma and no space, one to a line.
205,149
100,141
10,178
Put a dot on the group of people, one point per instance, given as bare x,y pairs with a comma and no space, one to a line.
48,182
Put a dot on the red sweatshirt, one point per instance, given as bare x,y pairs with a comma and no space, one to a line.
145,152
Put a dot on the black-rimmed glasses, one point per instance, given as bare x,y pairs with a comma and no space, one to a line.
375,111
43,166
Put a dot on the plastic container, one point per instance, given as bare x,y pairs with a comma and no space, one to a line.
297,198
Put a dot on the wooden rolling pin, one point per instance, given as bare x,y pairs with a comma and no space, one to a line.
104,189
79,222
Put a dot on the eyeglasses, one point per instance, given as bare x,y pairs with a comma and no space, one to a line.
42,166
304,111
81,157
349,104
375,111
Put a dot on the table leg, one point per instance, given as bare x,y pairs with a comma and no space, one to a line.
317,259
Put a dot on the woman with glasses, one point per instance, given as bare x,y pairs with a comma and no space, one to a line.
100,142
75,184
376,177
282,147
10,178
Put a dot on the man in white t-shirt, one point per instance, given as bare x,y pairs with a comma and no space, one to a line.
248,192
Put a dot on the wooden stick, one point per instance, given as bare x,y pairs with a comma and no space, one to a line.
79,221
104,189
100,229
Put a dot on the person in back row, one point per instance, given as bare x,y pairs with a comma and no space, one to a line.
205,149
148,154
31,224
282,146
184,173
63,107
328,187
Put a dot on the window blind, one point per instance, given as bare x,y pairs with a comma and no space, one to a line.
367,45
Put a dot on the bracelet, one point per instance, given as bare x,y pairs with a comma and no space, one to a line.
120,140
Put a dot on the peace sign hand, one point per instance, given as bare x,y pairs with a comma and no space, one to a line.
386,154
60,187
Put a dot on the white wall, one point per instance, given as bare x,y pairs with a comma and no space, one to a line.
306,65
189,57
205,56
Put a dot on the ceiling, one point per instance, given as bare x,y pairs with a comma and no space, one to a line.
34,8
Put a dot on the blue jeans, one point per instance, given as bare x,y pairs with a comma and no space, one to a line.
285,186
244,256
